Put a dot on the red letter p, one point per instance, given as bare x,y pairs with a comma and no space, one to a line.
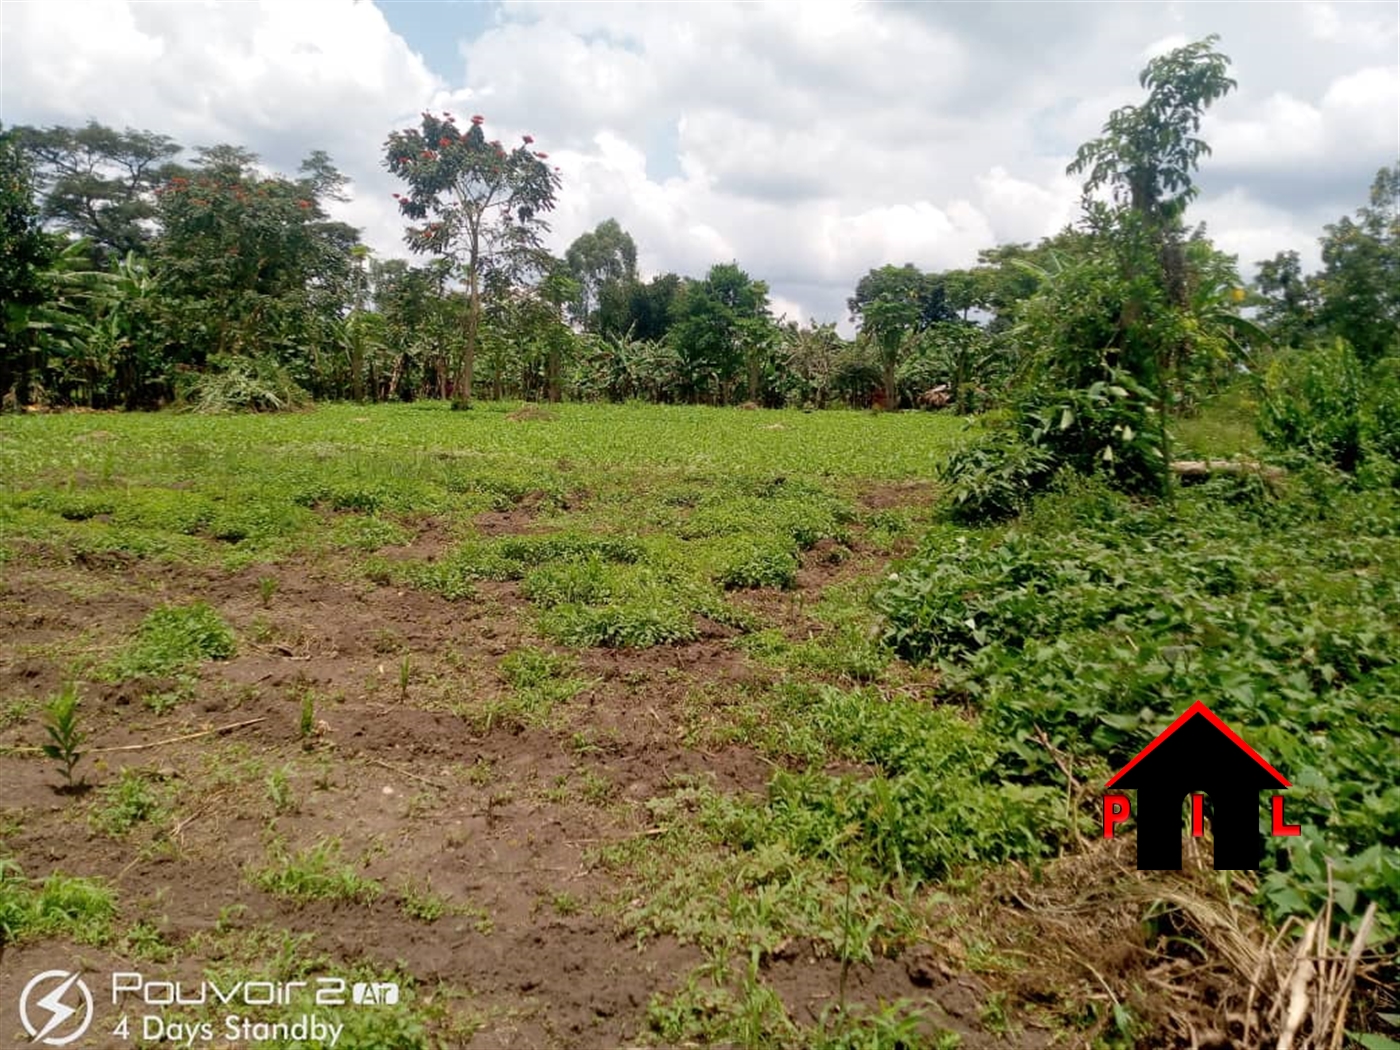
1115,811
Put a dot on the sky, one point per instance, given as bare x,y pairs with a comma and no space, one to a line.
808,142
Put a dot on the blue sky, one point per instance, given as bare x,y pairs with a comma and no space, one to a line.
808,142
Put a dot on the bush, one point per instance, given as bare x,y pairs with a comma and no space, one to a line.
1311,404
243,385
1381,413
1105,430
173,638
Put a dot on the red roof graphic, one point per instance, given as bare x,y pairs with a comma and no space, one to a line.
1191,712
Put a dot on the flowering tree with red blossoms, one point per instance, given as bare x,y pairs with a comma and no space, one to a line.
473,202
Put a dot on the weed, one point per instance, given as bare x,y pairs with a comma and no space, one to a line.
279,792
65,735
316,873
595,788
172,639
126,803
422,903
307,724
565,903
60,906
267,587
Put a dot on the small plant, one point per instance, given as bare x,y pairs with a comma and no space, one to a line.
405,673
565,903
65,737
279,792
422,903
267,587
316,873
125,804
172,639
308,718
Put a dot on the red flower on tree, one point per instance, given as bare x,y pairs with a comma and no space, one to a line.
477,118
542,156
444,141
529,139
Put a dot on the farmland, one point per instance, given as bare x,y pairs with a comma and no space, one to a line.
589,725
434,785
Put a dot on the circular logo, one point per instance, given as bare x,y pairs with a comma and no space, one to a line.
53,1010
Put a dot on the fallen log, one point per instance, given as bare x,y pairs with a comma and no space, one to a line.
1204,468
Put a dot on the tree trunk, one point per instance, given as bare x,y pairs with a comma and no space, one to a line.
462,396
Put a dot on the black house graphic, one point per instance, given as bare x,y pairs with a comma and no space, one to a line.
1198,753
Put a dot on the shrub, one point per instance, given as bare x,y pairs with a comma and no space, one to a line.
172,638
243,385
1311,404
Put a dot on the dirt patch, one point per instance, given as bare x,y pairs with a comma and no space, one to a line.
897,494
415,765
532,414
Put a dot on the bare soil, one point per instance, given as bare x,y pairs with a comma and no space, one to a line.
421,794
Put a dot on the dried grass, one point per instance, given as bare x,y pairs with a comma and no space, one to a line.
1190,956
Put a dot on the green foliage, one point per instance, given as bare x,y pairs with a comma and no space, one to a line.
1105,429
126,803
244,384
1098,627
62,728
315,873
1360,280
173,639
1311,403
60,906
760,562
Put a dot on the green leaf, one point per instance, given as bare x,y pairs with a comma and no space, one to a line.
1375,1042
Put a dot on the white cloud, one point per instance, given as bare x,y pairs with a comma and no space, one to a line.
807,142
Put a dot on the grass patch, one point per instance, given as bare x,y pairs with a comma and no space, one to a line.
173,639
59,906
318,872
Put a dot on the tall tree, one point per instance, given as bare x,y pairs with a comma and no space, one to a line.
892,305
100,183
24,255
1288,304
476,204
725,329
1146,157
604,263
252,264
1360,279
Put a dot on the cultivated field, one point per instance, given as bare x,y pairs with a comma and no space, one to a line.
486,675
585,724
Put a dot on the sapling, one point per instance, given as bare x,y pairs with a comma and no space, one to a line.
308,717
64,735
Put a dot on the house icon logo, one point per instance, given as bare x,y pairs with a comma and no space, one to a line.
1197,755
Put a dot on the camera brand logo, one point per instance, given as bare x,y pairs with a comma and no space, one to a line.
1198,753
54,1007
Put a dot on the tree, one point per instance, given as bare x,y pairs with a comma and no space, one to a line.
99,183
25,253
893,304
1147,152
653,307
1288,302
1146,157
252,265
476,204
1360,279
604,263
812,358
725,329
